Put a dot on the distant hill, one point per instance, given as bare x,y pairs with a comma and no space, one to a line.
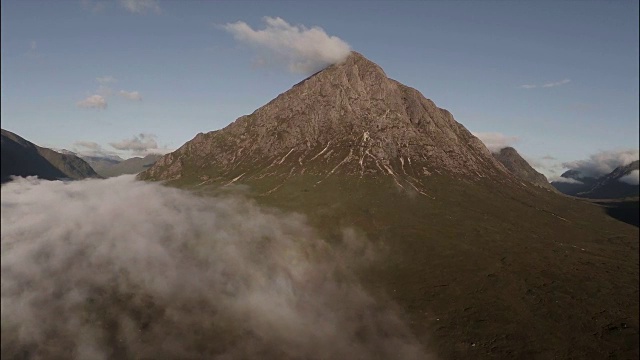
608,186
519,167
109,167
23,158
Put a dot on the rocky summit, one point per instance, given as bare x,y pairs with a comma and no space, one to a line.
519,167
349,118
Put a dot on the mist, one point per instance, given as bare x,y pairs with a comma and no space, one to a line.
603,162
118,269
303,50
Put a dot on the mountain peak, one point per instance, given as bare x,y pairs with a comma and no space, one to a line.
349,118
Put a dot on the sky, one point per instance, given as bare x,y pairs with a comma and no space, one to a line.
557,80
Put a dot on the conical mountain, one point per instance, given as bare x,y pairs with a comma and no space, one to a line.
347,119
519,167
482,266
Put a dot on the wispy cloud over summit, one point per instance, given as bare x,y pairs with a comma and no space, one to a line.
303,49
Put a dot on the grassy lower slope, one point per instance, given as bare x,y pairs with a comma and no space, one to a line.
483,271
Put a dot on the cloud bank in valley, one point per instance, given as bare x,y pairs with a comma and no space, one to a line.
118,268
304,50
603,162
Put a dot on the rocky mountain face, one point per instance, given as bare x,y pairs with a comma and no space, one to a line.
347,119
519,167
23,158
607,186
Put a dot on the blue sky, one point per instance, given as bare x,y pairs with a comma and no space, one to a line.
557,80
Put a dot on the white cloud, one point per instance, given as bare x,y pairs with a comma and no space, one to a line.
33,45
561,179
304,50
130,95
603,162
546,85
140,6
556,83
88,145
495,141
141,144
128,269
632,178
107,79
93,102
93,6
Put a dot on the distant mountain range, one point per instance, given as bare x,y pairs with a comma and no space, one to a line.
608,186
115,166
23,158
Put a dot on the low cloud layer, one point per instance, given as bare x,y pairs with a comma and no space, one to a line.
546,85
633,178
495,141
93,102
560,179
603,162
304,50
117,268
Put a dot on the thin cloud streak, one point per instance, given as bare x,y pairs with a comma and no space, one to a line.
546,85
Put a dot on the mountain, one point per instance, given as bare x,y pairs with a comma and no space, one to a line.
100,163
607,186
23,158
573,182
610,187
482,265
519,167
347,119
108,167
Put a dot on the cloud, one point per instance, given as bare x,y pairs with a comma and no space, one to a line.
560,179
88,145
107,79
141,144
633,178
546,85
304,50
33,45
549,157
603,162
140,6
93,102
93,6
495,141
118,268
130,95
93,149
556,83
